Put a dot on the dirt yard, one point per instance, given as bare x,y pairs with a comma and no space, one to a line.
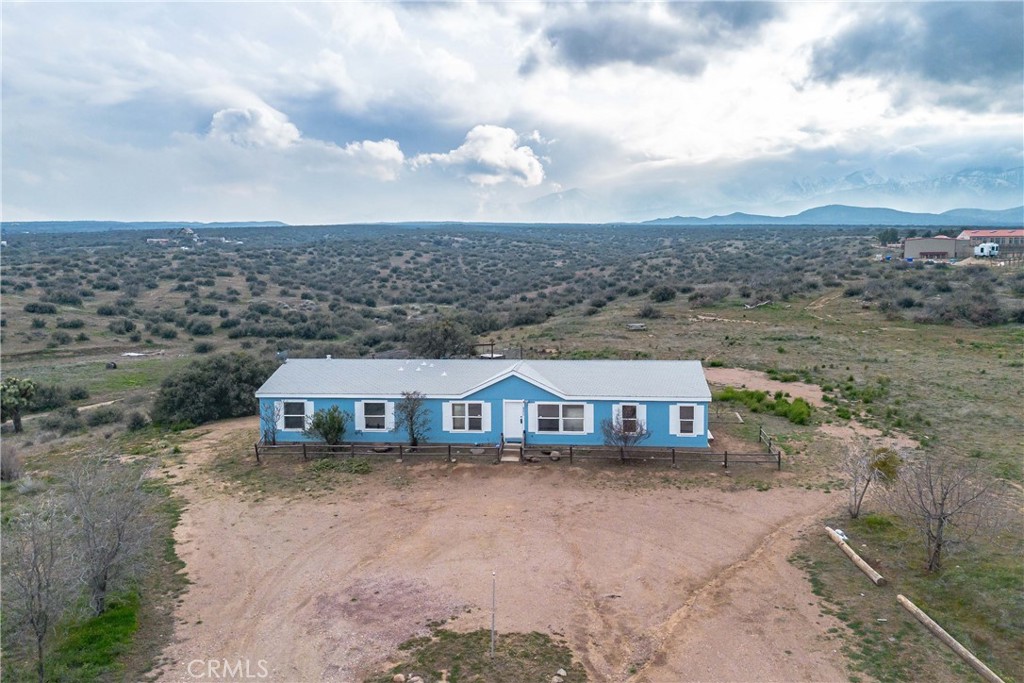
647,582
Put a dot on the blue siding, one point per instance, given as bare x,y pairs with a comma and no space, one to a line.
658,413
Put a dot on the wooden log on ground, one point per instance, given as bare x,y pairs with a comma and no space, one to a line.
875,577
950,641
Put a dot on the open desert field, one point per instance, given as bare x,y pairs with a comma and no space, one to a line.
646,579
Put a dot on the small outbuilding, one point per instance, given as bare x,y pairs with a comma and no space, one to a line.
939,247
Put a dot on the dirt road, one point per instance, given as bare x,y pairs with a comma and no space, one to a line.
657,582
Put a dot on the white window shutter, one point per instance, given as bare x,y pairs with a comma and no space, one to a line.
446,416
279,413
698,419
389,415
531,409
308,411
673,419
641,414
360,419
588,418
616,413
485,412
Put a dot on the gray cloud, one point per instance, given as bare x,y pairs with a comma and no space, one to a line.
594,35
963,54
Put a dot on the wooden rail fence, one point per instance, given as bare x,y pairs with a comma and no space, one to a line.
530,453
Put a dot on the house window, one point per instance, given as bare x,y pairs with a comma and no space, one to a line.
686,416
374,415
629,418
560,417
294,414
467,417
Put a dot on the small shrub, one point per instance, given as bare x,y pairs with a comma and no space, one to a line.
325,465
39,323
663,293
103,415
78,393
65,421
11,466
356,465
203,347
136,421
648,311
37,307
29,486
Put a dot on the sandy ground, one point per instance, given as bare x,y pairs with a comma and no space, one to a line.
650,584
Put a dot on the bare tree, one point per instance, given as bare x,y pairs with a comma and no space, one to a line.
111,510
270,418
948,501
863,465
625,434
38,583
412,415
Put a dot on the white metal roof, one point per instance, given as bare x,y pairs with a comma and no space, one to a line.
592,379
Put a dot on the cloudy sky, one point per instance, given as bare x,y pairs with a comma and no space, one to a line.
334,113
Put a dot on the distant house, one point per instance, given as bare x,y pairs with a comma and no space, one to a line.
1008,239
938,247
539,402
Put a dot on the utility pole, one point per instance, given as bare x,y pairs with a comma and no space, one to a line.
494,593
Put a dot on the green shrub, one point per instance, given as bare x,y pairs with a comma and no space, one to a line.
37,307
214,388
103,415
663,293
136,421
356,465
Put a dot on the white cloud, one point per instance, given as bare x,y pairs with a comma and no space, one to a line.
253,127
382,160
490,155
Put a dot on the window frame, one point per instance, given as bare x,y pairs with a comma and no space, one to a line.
561,418
383,416
467,417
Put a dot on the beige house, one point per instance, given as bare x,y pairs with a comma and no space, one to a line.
939,247
1008,239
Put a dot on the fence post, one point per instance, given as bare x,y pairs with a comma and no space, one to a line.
673,455
449,452
304,450
727,460
401,452
780,460
570,454
622,454
256,447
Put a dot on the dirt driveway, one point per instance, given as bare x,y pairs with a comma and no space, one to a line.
650,581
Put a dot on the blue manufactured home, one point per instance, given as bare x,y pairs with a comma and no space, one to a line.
539,402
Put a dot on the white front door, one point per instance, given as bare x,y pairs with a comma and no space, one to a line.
512,421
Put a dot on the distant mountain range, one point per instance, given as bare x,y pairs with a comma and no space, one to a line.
837,214
102,226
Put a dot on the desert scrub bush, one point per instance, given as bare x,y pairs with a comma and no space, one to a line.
64,421
662,293
214,388
798,411
648,311
136,421
11,465
203,347
103,415
41,308
356,466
